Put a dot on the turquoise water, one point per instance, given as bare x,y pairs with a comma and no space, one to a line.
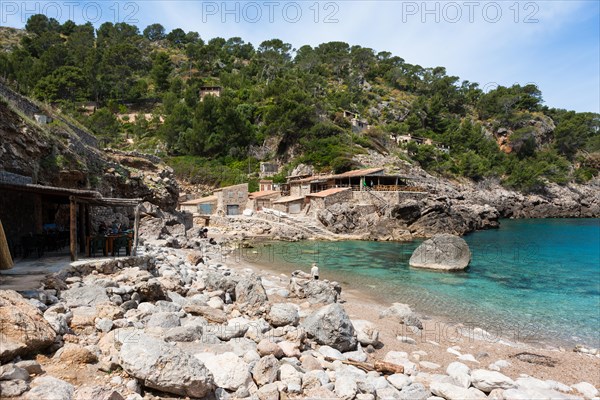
529,281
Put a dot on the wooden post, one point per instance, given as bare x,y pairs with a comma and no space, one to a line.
136,227
87,229
73,228
81,227
38,214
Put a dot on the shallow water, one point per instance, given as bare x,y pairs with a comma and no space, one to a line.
530,280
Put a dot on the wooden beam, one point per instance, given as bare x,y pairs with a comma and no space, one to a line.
73,228
81,227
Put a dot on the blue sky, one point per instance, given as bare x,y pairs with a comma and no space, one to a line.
553,44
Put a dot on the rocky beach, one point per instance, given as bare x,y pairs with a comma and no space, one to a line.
200,323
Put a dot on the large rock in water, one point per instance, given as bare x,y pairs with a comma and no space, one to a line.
23,328
442,252
164,367
331,326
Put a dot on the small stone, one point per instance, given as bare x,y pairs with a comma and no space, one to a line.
406,339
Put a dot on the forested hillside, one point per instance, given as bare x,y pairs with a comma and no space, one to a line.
287,105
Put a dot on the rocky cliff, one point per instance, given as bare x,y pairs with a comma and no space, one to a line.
61,153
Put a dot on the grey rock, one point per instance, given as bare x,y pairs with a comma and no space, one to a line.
48,387
415,391
31,366
317,291
366,332
97,393
397,310
586,389
10,372
345,384
268,392
442,252
13,388
291,377
230,371
313,379
265,370
331,326
453,392
460,374
399,381
251,291
90,295
330,352
163,320
266,347
388,393
487,381
282,314
164,367
188,333
104,325
167,306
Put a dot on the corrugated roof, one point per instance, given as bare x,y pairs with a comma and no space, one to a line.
328,192
207,199
288,199
263,193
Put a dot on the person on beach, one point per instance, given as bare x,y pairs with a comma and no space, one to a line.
314,271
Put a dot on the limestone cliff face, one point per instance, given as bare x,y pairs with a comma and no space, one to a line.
63,154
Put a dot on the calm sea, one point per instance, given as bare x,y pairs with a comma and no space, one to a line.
531,280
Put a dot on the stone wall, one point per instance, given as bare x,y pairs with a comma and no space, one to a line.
366,197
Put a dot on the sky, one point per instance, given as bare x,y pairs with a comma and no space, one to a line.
553,44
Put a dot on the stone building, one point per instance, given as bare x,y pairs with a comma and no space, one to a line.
231,200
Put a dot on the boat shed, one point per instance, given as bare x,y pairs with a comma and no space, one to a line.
26,207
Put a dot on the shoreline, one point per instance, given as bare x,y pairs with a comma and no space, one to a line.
505,330
440,336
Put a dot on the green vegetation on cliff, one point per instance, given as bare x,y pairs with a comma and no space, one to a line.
284,104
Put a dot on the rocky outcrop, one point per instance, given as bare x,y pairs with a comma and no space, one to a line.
24,329
442,252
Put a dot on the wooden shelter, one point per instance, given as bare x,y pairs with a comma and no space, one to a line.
32,197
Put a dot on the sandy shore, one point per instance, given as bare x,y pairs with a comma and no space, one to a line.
439,335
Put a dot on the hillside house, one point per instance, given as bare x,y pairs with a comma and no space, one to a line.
408,138
265,184
268,169
210,91
358,124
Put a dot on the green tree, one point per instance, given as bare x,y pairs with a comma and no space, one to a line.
154,32
65,83
161,69
105,125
